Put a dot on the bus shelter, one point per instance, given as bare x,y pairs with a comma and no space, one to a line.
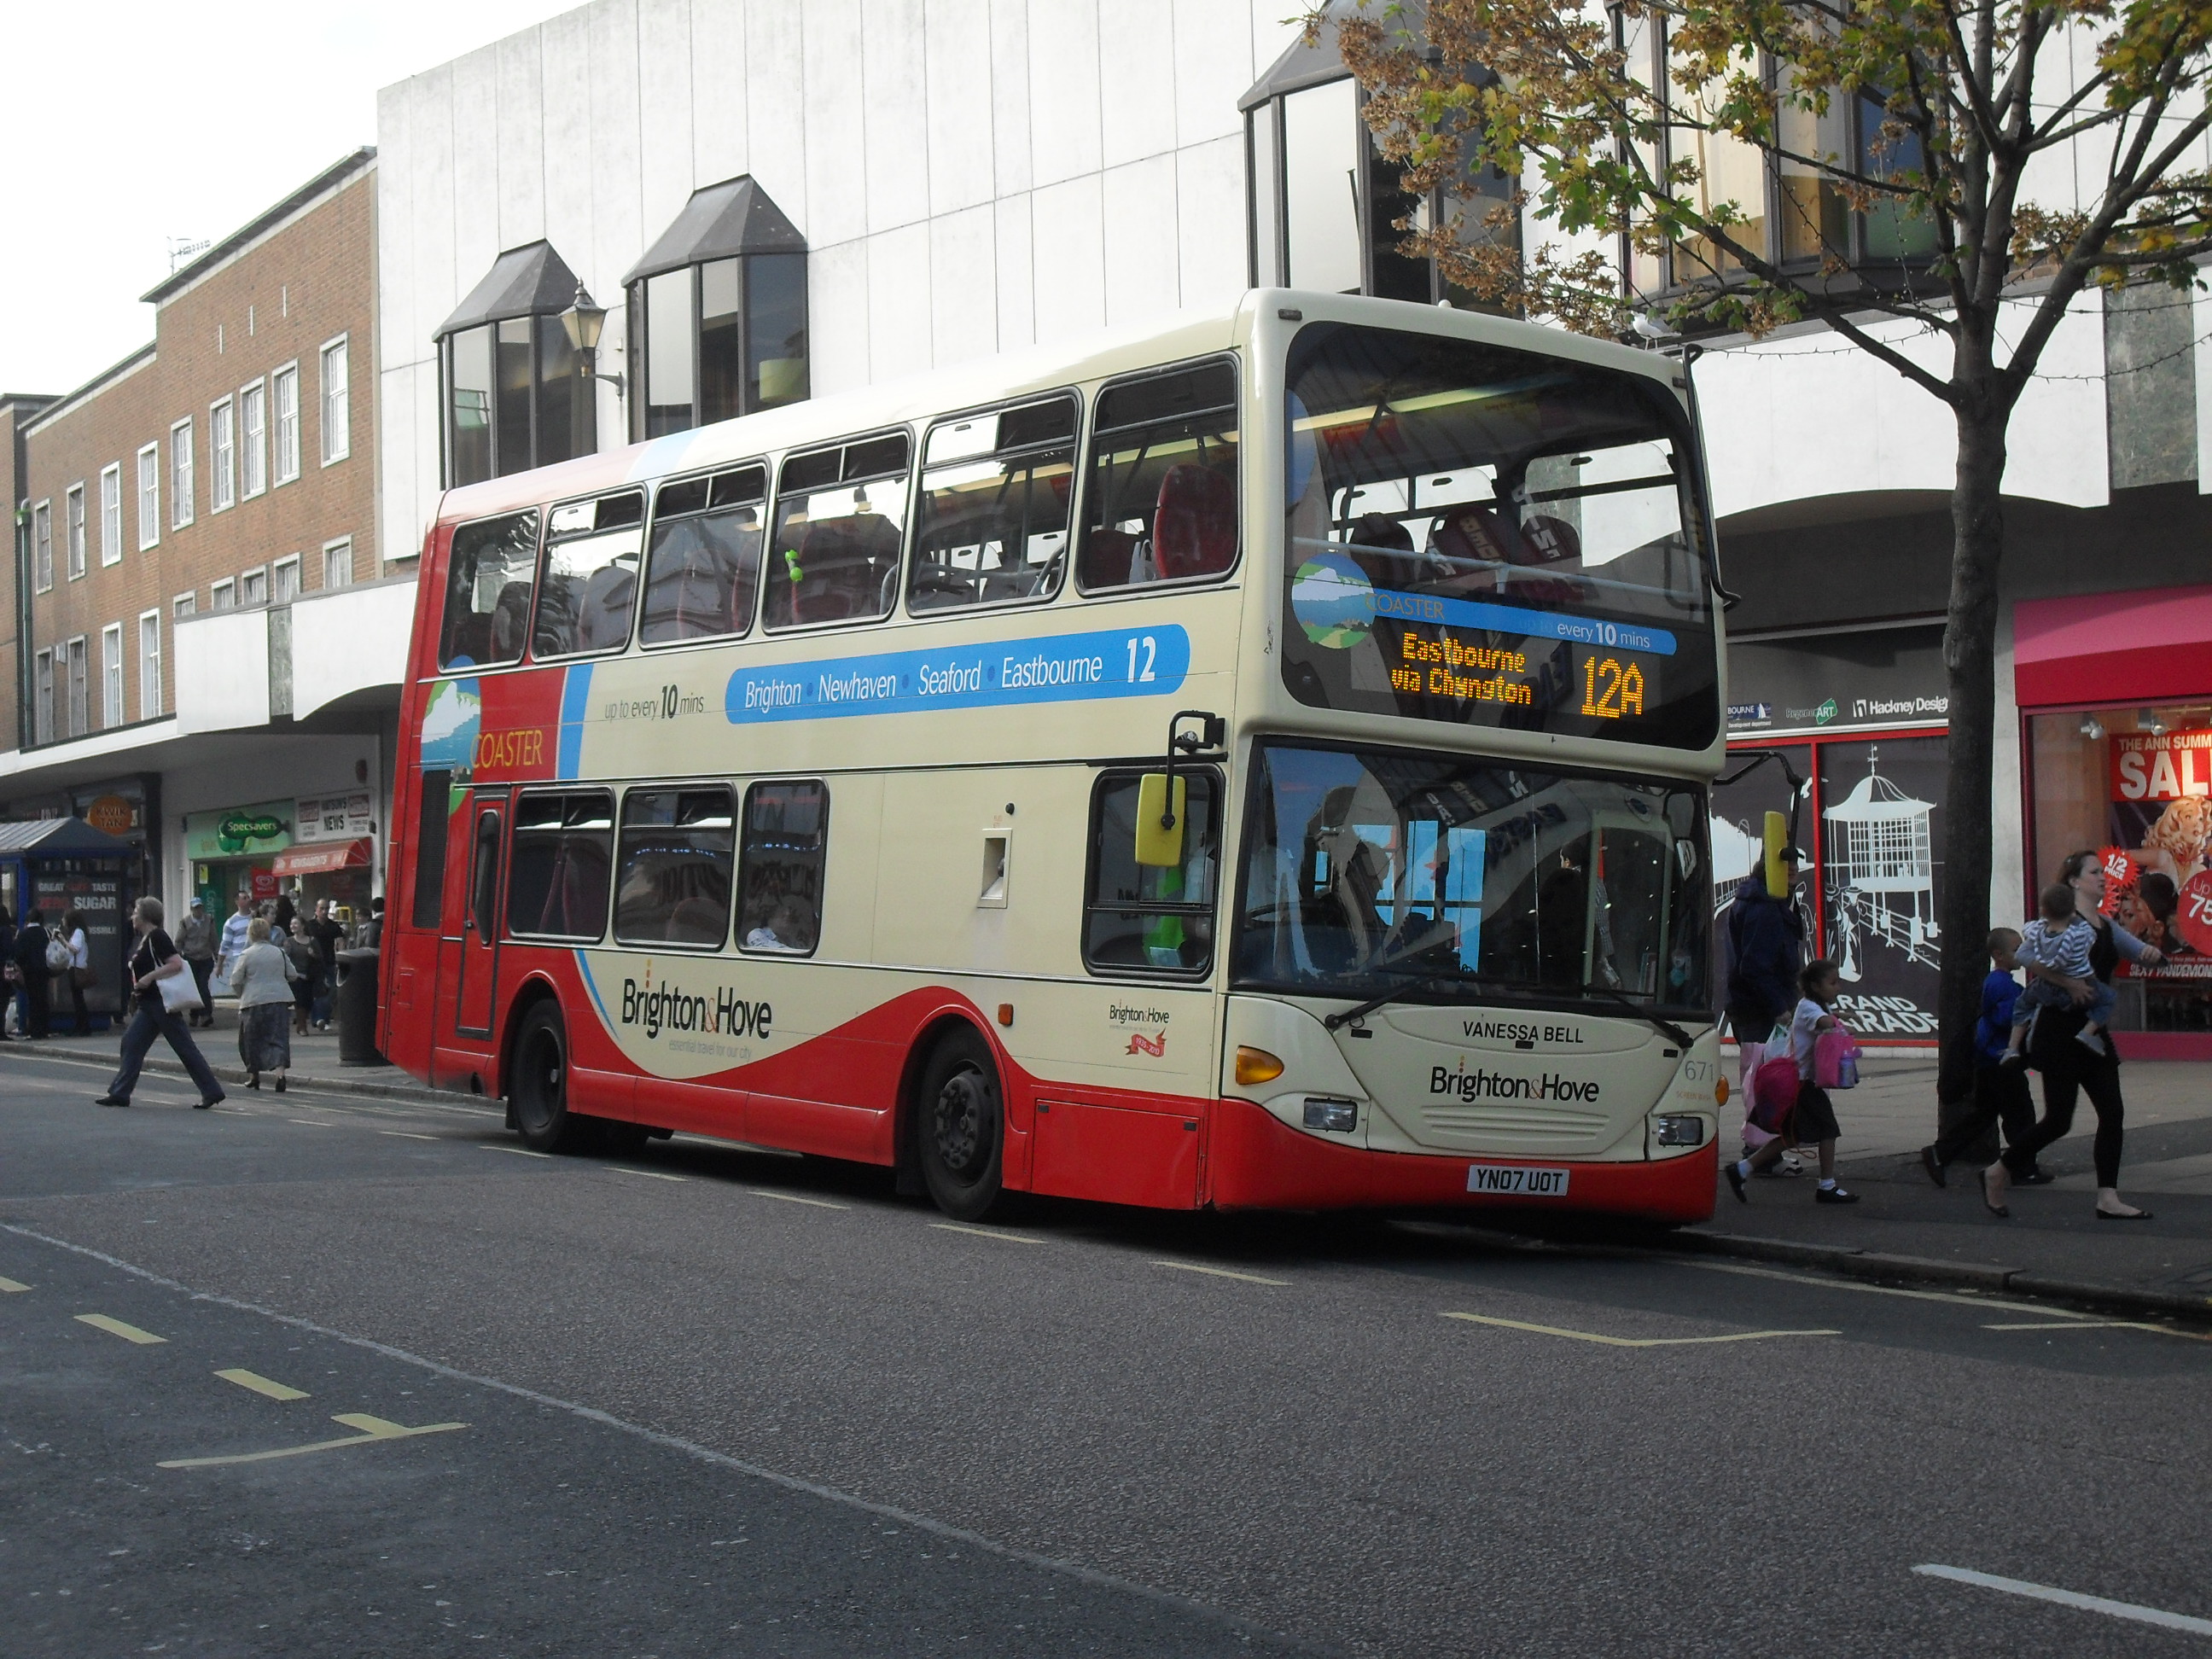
55,866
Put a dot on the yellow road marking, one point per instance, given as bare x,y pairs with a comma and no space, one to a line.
1994,1303
9,1285
262,1385
793,1197
406,1134
372,1428
117,1327
985,1232
650,1175
1631,1341
2101,1325
520,1151
1219,1273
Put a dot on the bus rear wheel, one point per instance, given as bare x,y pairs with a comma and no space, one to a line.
960,1127
537,1083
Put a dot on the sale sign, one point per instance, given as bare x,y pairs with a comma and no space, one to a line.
2161,765
2194,917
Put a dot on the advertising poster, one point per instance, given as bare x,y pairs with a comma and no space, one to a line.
2158,867
1881,881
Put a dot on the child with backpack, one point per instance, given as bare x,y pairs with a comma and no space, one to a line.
1814,1116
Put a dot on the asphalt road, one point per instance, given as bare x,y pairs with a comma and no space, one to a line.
705,1400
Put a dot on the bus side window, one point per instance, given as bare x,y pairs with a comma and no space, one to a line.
562,867
432,813
483,877
673,887
488,592
840,527
1140,918
704,563
587,585
1162,500
786,836
992,520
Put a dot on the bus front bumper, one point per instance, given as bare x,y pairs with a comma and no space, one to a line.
1257,1163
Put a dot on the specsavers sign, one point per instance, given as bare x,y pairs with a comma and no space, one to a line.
239,832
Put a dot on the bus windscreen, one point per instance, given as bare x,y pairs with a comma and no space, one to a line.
1492,537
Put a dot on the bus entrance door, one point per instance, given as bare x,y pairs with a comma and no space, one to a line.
477,978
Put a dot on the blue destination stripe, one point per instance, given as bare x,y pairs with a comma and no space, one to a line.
1120,662
576,704
1515,619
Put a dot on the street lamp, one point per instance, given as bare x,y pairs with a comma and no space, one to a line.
583,320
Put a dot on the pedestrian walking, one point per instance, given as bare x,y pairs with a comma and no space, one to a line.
2000,1095
11,985
263,981
1766,950
374,936
324,929
155,961
307,967
1815,1115
282,915
79,973
31,942
196,943
234,933
2071,1068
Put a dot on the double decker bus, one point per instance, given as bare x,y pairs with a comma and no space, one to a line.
1259,760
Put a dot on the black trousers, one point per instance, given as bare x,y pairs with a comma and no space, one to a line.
2069,1070
2001,1097
38,1001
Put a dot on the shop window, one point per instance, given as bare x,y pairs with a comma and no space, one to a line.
704,562
678,848
717,314
787,844
431,819
563,866
488,592
516,395
588,584
1140,918
1163,497
840,519
992,520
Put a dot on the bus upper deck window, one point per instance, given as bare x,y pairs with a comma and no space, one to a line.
1162,504
993,521
703,563
840,525
487,580
588,582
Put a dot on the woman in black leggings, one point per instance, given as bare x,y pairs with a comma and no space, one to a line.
2070,1068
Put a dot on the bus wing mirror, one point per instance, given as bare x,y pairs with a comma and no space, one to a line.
1161,798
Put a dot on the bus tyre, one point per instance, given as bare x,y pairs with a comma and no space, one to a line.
537,1083
960,1127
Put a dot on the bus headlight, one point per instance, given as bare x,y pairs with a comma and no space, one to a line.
1332,1112
1257,1066
1681,1131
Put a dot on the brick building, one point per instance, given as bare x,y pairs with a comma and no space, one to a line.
209,633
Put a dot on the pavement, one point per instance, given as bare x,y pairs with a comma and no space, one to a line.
1904,1229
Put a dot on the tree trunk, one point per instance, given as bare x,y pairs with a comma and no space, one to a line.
1970,659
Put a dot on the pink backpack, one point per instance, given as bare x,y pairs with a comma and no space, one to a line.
1836,1060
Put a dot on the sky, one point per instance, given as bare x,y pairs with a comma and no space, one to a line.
144,122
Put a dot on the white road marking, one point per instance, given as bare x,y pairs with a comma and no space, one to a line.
1629,1341
985,1232
406,1134
650,1175
1219,1272
520,1151
2066,1598
1995,1304
793,1197
2101,1325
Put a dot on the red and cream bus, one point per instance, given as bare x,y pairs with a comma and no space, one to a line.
1257,761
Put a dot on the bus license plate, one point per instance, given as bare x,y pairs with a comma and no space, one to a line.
1516,1181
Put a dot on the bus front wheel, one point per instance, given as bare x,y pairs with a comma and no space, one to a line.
960,1127
538,1082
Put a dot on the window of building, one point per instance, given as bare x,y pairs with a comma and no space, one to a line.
487,577
1162,501
42,546
337,411
253,587
704,562
840,519
285,385
110,510
1140,918
73,510
993,519
149,664
42,699
223,594
516,395
787,844
184,605
253,438
180,482
337,562
588,580
717,314
80,717
677,856
563,864
223,459
111,675
284,581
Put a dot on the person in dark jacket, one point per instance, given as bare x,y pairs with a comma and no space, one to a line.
11,989
1766,950
2001,1093
31,941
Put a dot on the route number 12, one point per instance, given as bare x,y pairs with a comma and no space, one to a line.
1151,651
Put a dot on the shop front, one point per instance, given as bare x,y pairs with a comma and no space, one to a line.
2115,694
234,850
333,855
58,867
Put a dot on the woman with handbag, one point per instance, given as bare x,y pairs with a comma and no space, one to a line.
165,989
263,979
80,968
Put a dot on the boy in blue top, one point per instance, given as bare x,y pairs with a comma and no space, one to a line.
2000,1090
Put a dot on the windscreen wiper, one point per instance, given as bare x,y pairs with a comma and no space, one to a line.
1665,1027
1446,981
